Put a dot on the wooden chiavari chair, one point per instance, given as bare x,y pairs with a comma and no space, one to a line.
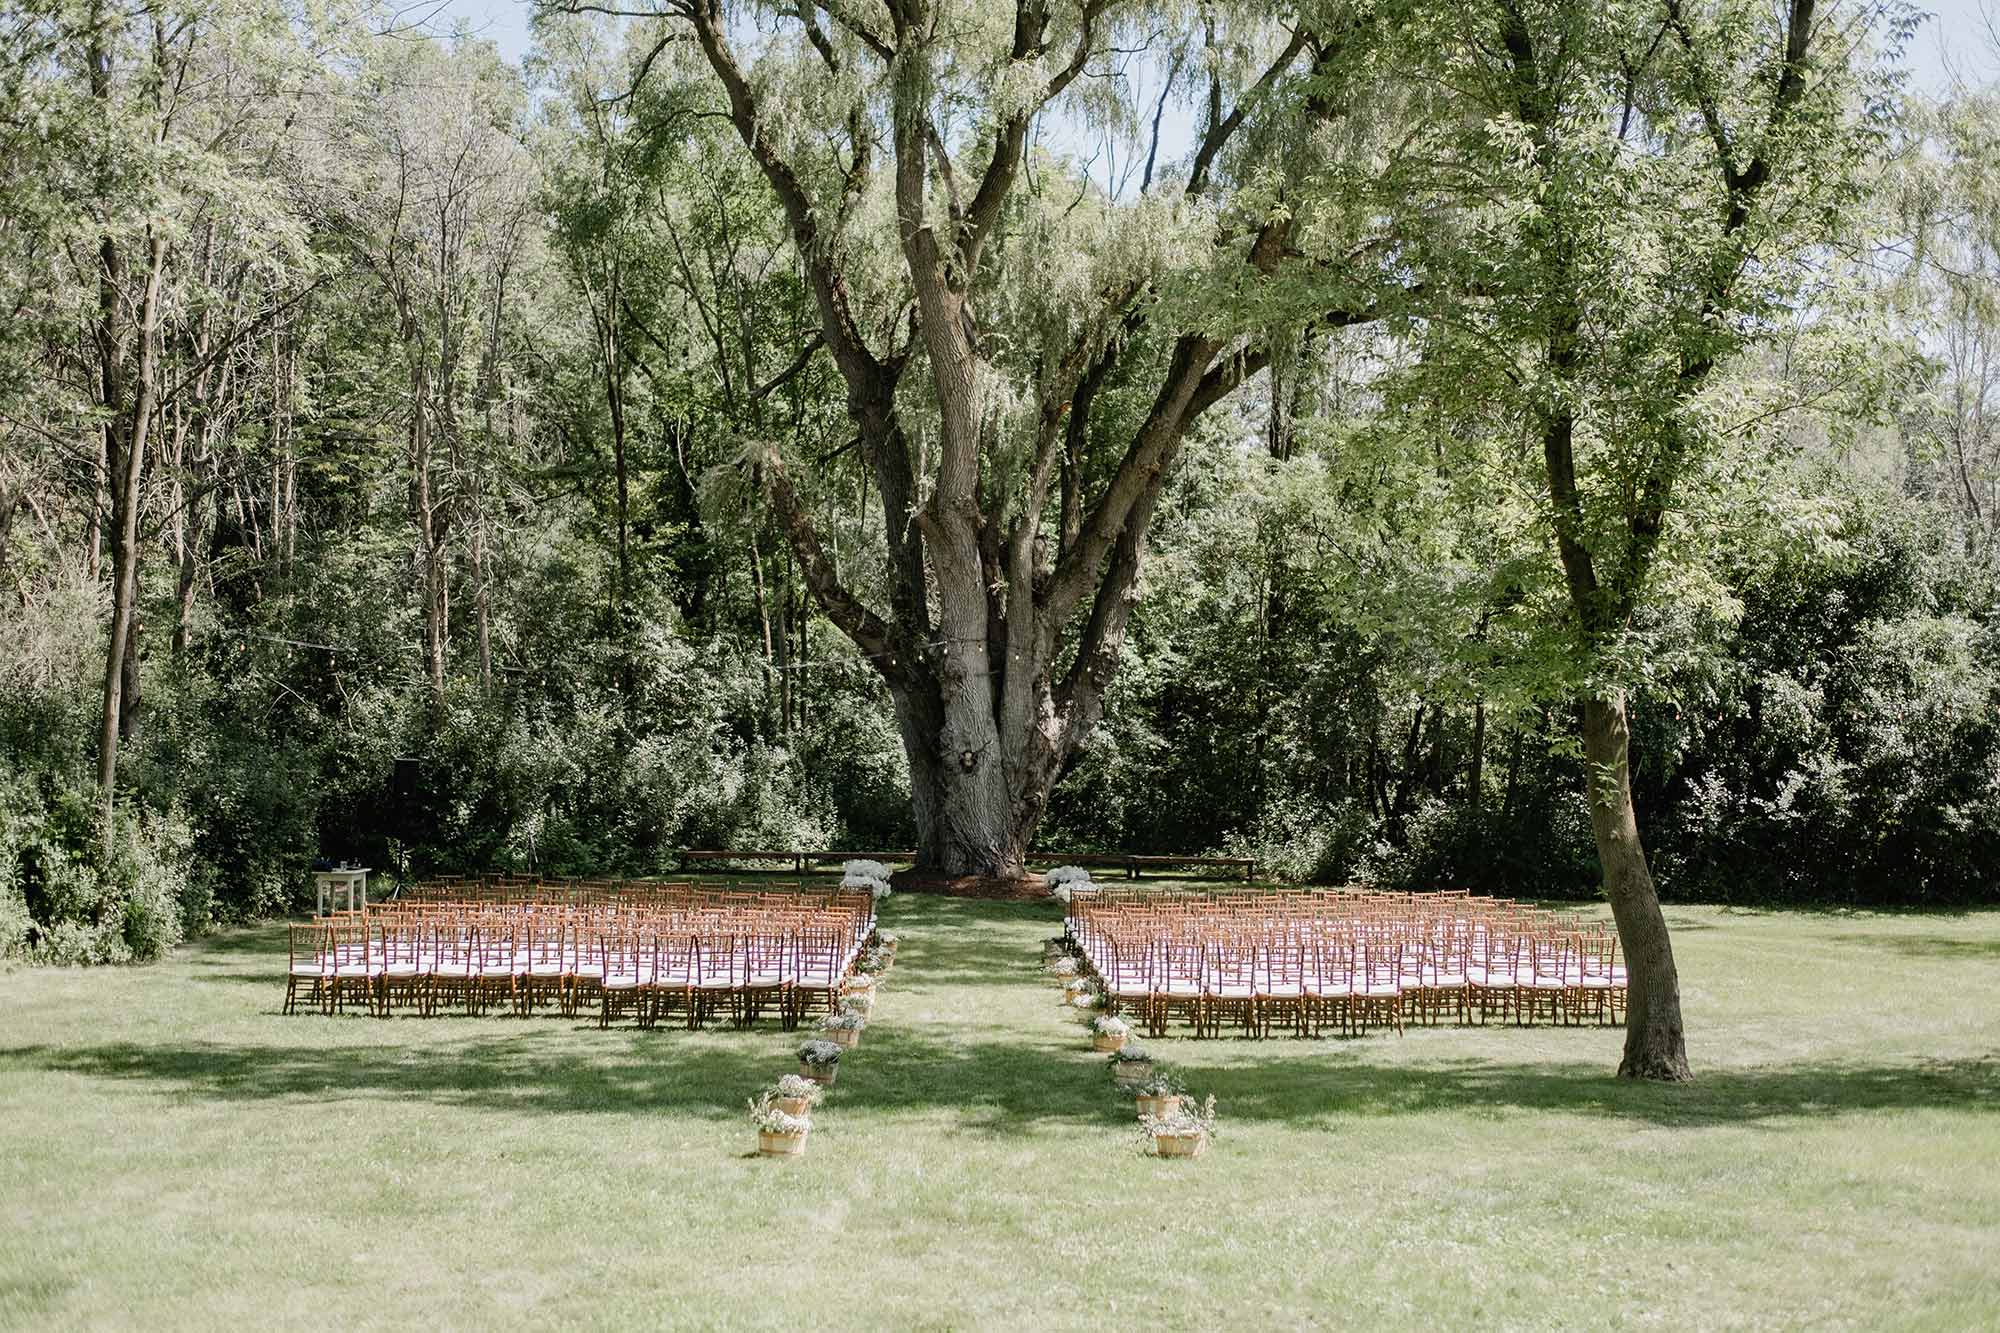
1378,981
404,970
629,970
673,977
542,966
1180,981
715,976
355,965
1229,982
494,961
585,966
1281,980
453,964
308,959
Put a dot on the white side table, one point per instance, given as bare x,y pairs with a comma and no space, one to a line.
335,884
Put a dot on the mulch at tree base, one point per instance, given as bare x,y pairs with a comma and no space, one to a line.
1029,888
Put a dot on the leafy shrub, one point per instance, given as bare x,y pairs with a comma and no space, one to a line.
15,923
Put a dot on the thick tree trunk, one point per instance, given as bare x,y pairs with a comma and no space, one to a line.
1655,1046
968,820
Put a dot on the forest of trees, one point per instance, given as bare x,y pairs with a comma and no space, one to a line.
1325,433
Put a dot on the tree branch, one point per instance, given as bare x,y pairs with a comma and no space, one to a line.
1030,35
843,337
1220,131
868,630
785,376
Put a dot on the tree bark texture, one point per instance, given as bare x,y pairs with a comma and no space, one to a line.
1655,1044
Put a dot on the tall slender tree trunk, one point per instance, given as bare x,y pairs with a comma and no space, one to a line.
132,404
427,516
614,394
481,604
1476,777
1655,1044
187,569
762,602
100,503
131,696
437,613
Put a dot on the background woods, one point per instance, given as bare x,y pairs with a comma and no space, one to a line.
1335,434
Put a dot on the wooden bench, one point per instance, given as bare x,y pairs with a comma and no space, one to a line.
798,860
1246,865
1134,866
886,858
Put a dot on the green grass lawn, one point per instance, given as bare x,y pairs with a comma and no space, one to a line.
174,1152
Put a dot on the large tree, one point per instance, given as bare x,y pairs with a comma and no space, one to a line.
1640,195
1024,346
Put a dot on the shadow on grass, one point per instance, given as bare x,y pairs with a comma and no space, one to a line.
1943,947
995,1086
1309,1089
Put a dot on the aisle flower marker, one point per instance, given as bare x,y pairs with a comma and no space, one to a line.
819,1061
1063,879
1109,1034
841,1029
1130,1065
870,875
794,1095
1186,1131
1158,1095
780,1133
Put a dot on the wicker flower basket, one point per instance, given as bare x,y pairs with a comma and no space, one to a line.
820,1076
795,1105
1180,1145
1159,1108
1131,1072
770,1144
1107,1043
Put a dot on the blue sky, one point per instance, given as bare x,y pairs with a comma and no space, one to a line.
1954,40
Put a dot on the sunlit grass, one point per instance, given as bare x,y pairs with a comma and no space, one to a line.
173,1152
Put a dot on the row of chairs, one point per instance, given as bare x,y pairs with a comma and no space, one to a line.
529,890
1354,959
790,955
